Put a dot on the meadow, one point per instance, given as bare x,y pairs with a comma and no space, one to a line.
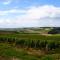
29,46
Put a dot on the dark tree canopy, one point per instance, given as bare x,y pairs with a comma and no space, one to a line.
55,30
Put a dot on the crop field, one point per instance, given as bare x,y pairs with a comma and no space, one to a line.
29,46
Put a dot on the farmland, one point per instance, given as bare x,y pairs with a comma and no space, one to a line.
29,46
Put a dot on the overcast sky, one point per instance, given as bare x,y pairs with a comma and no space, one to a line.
29,13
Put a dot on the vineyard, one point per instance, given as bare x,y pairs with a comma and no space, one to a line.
48,45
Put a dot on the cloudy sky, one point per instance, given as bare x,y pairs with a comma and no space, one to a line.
29,13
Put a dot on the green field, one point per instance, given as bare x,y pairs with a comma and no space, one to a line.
25,46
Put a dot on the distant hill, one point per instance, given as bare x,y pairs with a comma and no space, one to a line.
55,30
39,30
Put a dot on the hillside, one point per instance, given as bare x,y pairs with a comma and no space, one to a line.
26,30
55,30
29,44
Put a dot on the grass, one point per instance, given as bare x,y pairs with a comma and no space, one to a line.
51,57
31,36
10,51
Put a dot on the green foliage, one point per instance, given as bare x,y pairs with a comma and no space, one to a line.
51,57
32,41
36,41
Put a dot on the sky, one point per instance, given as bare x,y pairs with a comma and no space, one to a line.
29,13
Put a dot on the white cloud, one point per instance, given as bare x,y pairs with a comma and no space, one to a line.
15,11
12,11
7,2
34,16
43,11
